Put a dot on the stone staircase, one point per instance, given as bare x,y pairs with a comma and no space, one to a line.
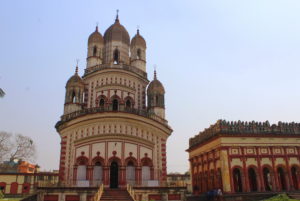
115,195
294,195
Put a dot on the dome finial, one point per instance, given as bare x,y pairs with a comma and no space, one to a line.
138,30
97,27
117,16
155,78
76,70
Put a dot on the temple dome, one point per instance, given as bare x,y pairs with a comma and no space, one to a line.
75,80
117,32
138,40
155,87
95,37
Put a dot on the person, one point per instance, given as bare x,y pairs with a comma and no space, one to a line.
219,195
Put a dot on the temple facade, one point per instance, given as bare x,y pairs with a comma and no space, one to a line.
246,157
109,134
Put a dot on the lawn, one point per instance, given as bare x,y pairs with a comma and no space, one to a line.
281,197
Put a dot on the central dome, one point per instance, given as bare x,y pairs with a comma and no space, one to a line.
117,32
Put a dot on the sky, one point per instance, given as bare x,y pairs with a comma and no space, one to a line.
218,59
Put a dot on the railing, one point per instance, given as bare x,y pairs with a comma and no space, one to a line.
99,193
80,183
131,192
114,66
144,113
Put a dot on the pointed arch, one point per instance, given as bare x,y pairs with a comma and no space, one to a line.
116,56
253,178
101,101
237,179
131,164
268,178
294,174
95,51
139,53
115,102
129,102
281,172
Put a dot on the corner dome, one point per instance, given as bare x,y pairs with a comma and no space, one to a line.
75,80
138,40
155,86
117,32
95,37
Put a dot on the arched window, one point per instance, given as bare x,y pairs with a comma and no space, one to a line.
81,172
95,51
2,186
116,56
145,175
252,179
26,188
14,188
115,105
73,97
97,173
267,179
130,173
237,180
294,177
281,178
156,100
101,102
139,54
128,104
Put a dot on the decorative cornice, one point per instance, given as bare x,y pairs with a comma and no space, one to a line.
88,111
113,137
125,67
237,128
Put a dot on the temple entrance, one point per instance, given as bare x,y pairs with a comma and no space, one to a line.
237,180
281,178
252,179
294,178
114,175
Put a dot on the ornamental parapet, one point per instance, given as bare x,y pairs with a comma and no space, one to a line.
115,66
85,111
245,128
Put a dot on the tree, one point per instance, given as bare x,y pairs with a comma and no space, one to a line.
4,145
2,93
16,147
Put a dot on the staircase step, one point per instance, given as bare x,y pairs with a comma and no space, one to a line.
115,195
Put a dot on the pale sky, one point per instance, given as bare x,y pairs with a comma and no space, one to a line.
217,59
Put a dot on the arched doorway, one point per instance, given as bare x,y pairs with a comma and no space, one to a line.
281,178
252,179
237,180
115,105
294,177
114,175
267,179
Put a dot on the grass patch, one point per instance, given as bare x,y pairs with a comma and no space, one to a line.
280,197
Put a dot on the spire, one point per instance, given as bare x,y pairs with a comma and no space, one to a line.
76,69
96,27
138,30
155,78
117,16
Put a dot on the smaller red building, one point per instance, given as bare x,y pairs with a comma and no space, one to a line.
246,157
